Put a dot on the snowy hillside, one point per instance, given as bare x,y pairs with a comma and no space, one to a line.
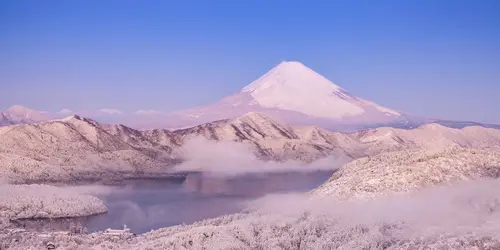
269,138
74,148
77,148
43,201
462,216
403,171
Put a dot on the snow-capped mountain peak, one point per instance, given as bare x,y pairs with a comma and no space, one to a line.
293,86
296,94
294,75
70,118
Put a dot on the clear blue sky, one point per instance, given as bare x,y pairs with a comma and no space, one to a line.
426,57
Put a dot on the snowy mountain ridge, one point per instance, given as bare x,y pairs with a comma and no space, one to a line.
83,146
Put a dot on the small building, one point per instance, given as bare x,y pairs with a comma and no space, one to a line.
118,232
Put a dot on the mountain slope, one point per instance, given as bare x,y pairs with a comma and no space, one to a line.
80,148
295,94
292,86
73,148
277,140
431,137
77,148
269,138
403,171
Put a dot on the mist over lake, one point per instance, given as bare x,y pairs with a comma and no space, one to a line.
147,204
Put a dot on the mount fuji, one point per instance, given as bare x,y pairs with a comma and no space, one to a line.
290,93
295,94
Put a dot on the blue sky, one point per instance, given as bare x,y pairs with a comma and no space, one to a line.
431,58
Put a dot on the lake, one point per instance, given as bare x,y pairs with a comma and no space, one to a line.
147,204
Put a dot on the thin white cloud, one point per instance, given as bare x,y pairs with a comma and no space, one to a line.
148,112
111,111
65,111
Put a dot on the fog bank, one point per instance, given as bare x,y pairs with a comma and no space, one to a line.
236,158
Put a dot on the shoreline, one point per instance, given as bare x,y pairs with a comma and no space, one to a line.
62,222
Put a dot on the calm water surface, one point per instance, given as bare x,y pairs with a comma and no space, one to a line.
146,204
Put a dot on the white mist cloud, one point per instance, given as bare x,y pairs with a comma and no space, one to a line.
459,216
453,208
234,158
148,112
111,111
65,112
462,216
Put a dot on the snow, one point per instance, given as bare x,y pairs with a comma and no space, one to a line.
76,147
293,86
294,93
404,171
44,201
397,169
382,109
69,118
463,216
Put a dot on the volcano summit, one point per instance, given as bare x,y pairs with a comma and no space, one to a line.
295,94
